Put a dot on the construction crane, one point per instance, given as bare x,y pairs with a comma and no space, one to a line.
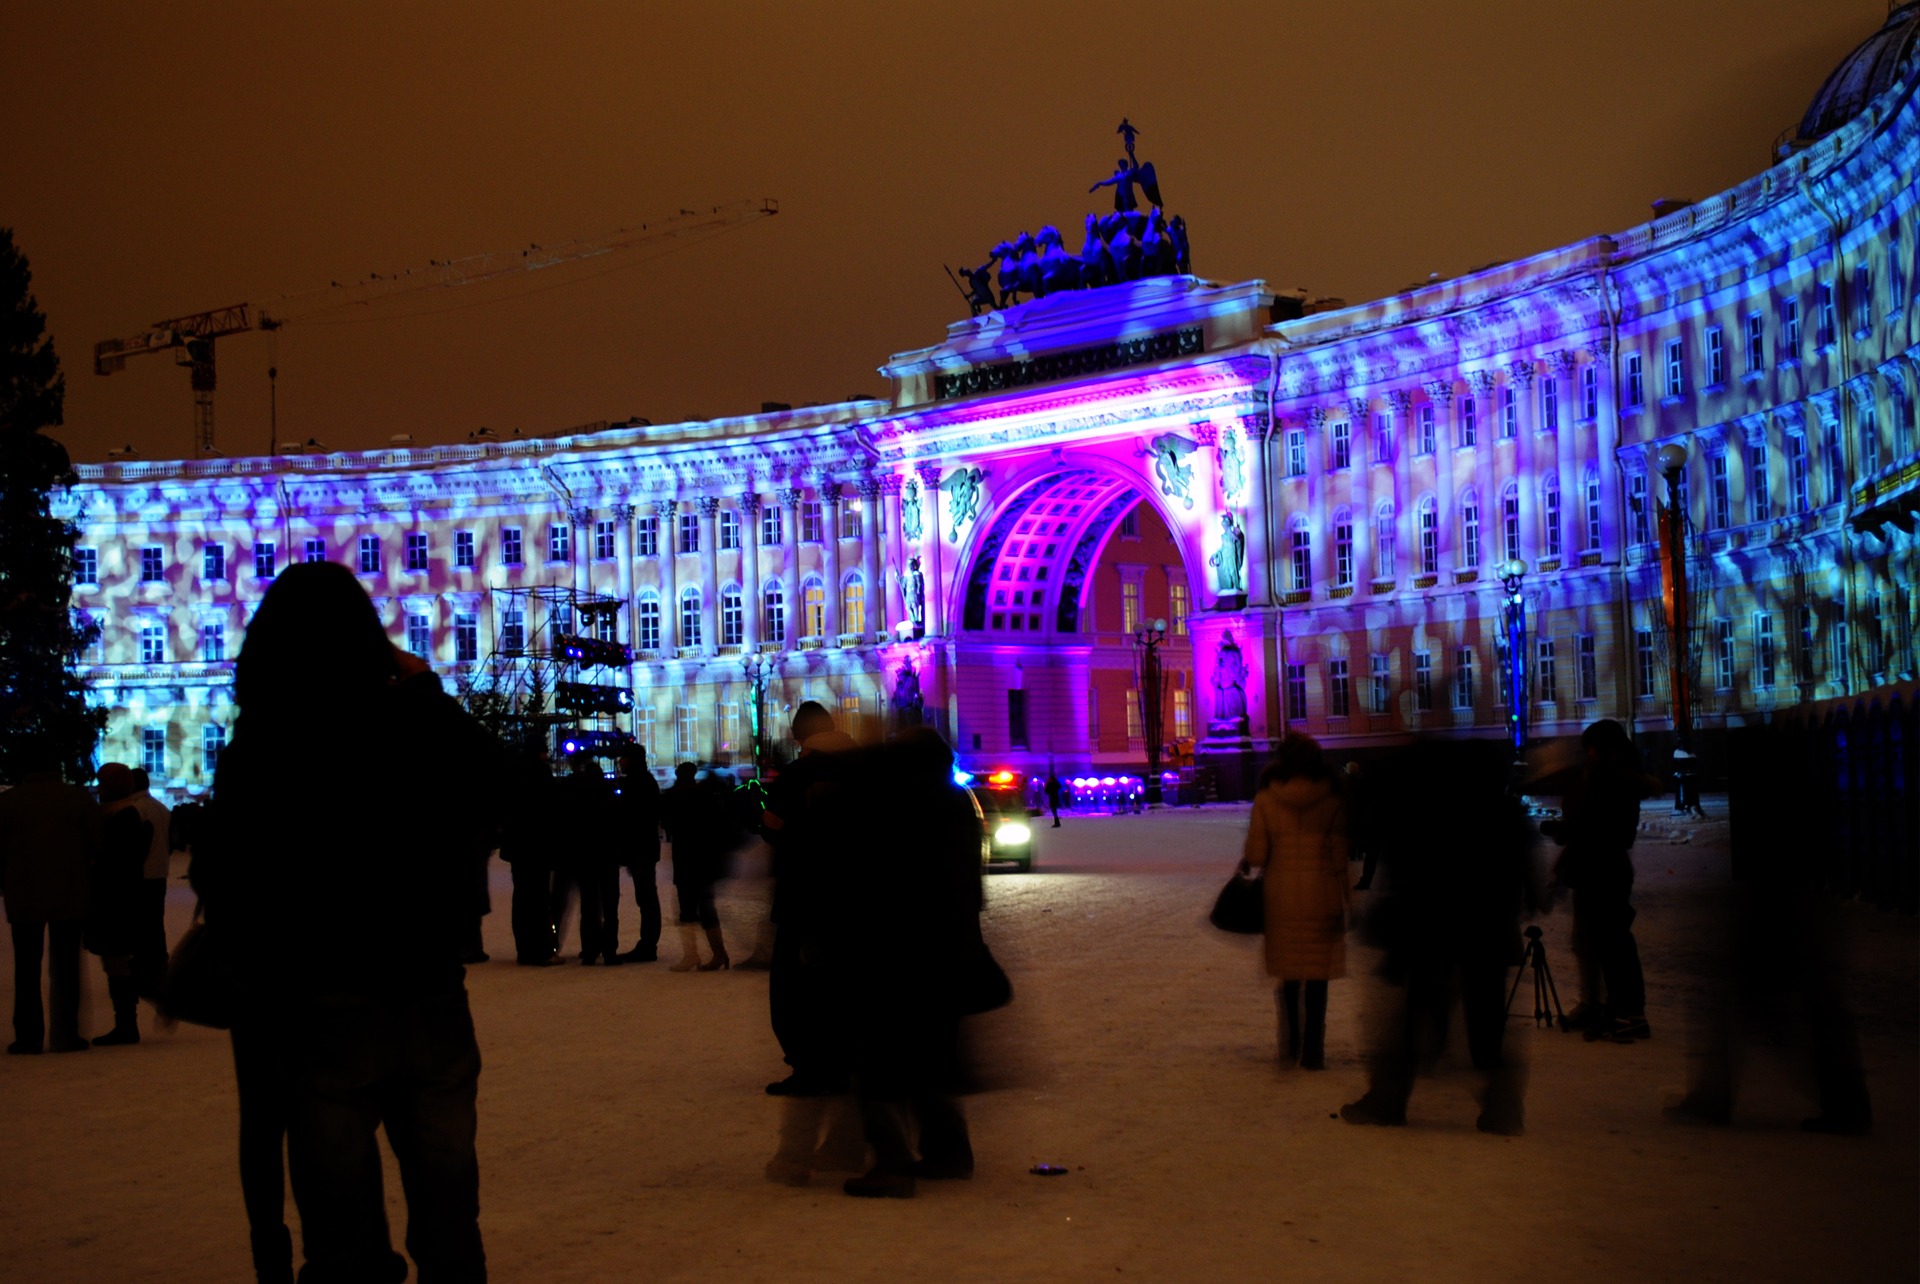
192,338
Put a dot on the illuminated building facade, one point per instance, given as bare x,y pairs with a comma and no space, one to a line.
1318,499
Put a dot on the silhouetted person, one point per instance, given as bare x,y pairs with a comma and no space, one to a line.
526,844
1053,797
698,821
49,835
1298,835
1454,852
1362,820
905,903
802,1002
584,797
150,935
345,817
637,833
115,902
1600,819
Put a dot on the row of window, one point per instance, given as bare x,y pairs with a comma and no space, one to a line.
153,750
370,555
1427,428
1463,689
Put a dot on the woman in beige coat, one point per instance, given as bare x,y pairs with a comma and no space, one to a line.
1299,835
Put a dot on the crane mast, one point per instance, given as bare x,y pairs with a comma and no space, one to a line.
191,338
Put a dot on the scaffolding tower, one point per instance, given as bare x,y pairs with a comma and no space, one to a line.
558,676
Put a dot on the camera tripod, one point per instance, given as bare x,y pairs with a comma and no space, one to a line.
1544,993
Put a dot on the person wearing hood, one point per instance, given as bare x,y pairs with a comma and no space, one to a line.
1298,837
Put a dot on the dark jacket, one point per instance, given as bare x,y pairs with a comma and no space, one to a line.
118,881
335,853
49,836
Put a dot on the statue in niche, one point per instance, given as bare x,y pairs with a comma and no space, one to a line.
910,510
1176,477
908,706
1229,689
913,589
1229,560
1233,463
963,497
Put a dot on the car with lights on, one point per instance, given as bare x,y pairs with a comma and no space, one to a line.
1002,799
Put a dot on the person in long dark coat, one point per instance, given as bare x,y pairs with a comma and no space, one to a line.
49,837
637,837
116,904
526,842
905,901
699,821
584,801
1455,858
345,817
1599,823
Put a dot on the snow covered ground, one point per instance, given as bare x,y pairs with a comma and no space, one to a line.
624,1132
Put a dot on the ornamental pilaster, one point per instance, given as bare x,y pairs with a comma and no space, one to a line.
830,496
709,508
875,624
932,562
666,511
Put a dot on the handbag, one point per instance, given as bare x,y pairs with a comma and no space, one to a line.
1242,904
200,987
981,985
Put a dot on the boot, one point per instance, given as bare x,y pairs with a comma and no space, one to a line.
719,962
1313,1050
124,992
1288,997
689,949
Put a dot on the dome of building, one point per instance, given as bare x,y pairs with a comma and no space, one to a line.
1864,74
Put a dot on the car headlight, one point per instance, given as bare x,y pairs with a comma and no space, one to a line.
1012,834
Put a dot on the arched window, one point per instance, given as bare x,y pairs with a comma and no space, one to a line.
1301,551
690,615
1429,536
1469,530
1343,548
733,621
1384,558
853,604
1550,506
813,608
1510,522
773,610
649,631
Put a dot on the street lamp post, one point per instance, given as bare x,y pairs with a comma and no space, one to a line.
1148,639
756,671
1672,461
1511,572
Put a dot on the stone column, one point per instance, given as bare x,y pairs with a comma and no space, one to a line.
581,520
1486,490
1404,537
1360,494
623,568
668,510
930,536
1604,444
830,516
1319,481
876,595
749,506
896,604
1253,431
710,591
1520,375
1566,364
1440,393
790,499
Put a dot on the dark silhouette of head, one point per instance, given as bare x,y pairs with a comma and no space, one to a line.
686,771
316,644
809,720
1298,755
116,781
1610,746
633,759
141,780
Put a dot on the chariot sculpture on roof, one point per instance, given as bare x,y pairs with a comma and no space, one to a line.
1125,245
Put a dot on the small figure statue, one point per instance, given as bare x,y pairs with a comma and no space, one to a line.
910,510
913,588
908,705
963,497
1229,689
1128,131
1233,460
1229,558
1176,478
1125,175
1183,256
980,288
